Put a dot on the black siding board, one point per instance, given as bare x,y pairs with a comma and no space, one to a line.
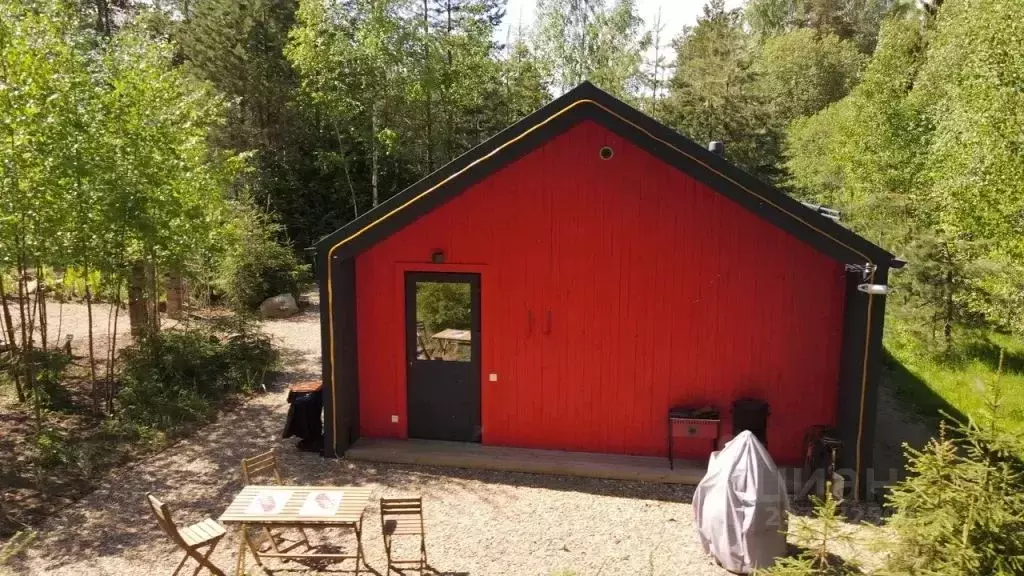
342,396
851,365
875,361
325,353
349,362
852,379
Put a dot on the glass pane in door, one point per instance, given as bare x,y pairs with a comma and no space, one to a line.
444,321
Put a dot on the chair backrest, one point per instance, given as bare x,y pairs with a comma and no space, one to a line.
261,465
163,519
390,507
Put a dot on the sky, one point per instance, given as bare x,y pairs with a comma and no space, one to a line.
674,14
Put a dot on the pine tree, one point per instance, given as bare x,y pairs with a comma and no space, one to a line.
960,512
818,538
712,95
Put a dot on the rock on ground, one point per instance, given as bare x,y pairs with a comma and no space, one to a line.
280,306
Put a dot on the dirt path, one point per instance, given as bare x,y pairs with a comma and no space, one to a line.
478,523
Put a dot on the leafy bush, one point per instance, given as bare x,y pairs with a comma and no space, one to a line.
256,266
175,377
49,368
50,443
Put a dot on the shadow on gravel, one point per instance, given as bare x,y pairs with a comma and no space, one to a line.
195,489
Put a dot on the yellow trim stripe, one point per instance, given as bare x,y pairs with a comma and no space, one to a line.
535,127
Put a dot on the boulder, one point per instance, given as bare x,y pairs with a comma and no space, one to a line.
280,306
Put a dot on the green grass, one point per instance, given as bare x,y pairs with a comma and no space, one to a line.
931,381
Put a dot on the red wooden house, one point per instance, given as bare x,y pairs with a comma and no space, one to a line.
608,269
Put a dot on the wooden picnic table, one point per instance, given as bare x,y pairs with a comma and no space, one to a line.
449,341
297,507
454,335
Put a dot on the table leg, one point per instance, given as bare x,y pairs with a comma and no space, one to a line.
252,547
240,563
359,544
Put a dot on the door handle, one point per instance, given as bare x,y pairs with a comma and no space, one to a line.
547,322
529,323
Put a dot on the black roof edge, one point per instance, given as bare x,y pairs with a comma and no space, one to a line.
589,102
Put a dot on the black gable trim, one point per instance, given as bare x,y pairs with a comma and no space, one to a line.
588,102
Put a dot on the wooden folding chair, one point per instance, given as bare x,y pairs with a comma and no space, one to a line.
266,464
403,517
190,539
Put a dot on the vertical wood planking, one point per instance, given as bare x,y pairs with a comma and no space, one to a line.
661,292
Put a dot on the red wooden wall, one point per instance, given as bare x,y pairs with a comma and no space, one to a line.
660,292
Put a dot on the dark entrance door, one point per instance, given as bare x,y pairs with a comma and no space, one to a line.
442,327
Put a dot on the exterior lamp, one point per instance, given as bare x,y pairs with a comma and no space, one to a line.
865,271
877,289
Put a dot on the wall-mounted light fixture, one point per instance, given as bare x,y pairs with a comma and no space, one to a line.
866,270
437,257
877,289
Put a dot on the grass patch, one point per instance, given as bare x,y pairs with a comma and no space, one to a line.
931,380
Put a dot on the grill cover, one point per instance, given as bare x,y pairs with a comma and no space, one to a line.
741,507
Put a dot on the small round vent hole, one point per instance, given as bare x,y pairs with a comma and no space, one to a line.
607,153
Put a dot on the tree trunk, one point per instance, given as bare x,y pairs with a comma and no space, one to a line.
174,293
373,153
41,309
27,362
657,49
344,165
92,347
103,17
138,308
947,328
427,86
9,321
449,124
113,352
154,294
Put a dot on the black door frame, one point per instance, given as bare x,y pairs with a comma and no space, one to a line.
475,363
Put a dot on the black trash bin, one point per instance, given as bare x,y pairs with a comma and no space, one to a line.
306,405
751,414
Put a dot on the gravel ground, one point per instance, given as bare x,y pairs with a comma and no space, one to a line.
478,523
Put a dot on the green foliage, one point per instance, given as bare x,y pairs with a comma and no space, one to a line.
923,156
802,72
442,305
854,21
930,379
49,371
50,447
961,509
818,538
15,545
593,41
174,378
256,266
712,95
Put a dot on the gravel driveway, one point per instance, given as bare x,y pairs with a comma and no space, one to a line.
478,522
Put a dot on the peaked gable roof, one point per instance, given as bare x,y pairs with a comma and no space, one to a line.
587,102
